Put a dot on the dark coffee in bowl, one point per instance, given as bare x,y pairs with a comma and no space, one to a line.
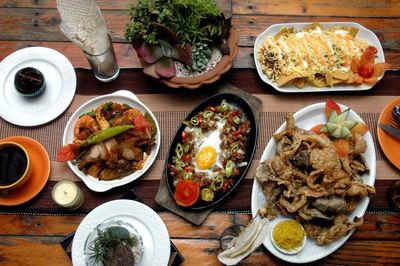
13,163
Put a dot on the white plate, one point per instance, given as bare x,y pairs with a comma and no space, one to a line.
60,80
363,34
151,228
307,118
122,96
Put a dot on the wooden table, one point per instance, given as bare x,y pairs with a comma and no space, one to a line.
33,238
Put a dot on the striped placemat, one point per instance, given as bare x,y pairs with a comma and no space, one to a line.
169,110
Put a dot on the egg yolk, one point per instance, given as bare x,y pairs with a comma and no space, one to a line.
206,158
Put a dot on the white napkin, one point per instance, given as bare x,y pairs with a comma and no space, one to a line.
83,24
248,240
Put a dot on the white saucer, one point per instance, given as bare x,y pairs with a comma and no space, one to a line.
60,81
154,233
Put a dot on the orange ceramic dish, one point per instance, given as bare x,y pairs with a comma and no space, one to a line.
389,144
40,172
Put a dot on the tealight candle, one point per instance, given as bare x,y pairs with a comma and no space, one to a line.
68,195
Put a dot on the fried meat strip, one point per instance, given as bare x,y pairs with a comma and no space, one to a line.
341,226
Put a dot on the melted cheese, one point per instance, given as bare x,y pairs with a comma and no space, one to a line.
307,53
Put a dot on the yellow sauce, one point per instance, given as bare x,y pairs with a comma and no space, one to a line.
288,235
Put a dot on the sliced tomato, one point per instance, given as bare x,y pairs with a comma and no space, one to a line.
317,129
366,70
342,147
68,152
187,192
331,105
141,124
368,57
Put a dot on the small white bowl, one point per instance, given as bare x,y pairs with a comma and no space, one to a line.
121,96
292,251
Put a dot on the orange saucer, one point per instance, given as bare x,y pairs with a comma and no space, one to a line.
389,144
40,172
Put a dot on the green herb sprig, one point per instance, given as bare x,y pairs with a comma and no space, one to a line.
106,241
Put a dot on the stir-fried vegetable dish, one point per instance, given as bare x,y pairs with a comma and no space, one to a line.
208,158
111,141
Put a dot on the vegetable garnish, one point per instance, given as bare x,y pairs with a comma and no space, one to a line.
186,193
339,128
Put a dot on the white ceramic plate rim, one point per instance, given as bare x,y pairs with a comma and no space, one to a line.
148,223
363,33
306,118
60,89
121,96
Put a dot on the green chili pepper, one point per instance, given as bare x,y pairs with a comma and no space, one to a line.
186,148
208,114
179,150
194,121
105,134
178,162
223,107
179,168
237,120
234,147
185,122
229,168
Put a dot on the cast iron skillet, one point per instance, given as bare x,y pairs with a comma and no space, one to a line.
250,149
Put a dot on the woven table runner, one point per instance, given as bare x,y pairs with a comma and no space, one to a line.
169,110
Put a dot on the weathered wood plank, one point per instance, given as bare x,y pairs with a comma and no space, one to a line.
29,250
386,29
375,227
37,24
32,251
225,5
43,225
335,8
127,57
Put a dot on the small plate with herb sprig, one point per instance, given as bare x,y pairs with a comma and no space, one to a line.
144,227
113,241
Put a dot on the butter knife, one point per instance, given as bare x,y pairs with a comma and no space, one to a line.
391,130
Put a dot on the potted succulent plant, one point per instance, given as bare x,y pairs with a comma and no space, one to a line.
183,43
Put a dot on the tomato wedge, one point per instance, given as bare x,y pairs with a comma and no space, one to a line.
187,192
331,105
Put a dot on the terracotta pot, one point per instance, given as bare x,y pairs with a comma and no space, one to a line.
214,74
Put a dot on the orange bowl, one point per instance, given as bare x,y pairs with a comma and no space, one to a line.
26,172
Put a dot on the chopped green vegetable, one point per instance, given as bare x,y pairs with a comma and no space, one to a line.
237,120
229,168
207,194
194,121
179,150
208,114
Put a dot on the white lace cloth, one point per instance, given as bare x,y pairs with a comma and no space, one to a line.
83,24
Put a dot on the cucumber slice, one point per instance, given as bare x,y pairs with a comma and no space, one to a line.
344,115
331,127
345,133
350,124
336,133
338,126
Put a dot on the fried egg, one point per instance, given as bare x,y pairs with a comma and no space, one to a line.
208,149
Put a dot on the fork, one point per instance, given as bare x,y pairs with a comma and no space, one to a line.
394,123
